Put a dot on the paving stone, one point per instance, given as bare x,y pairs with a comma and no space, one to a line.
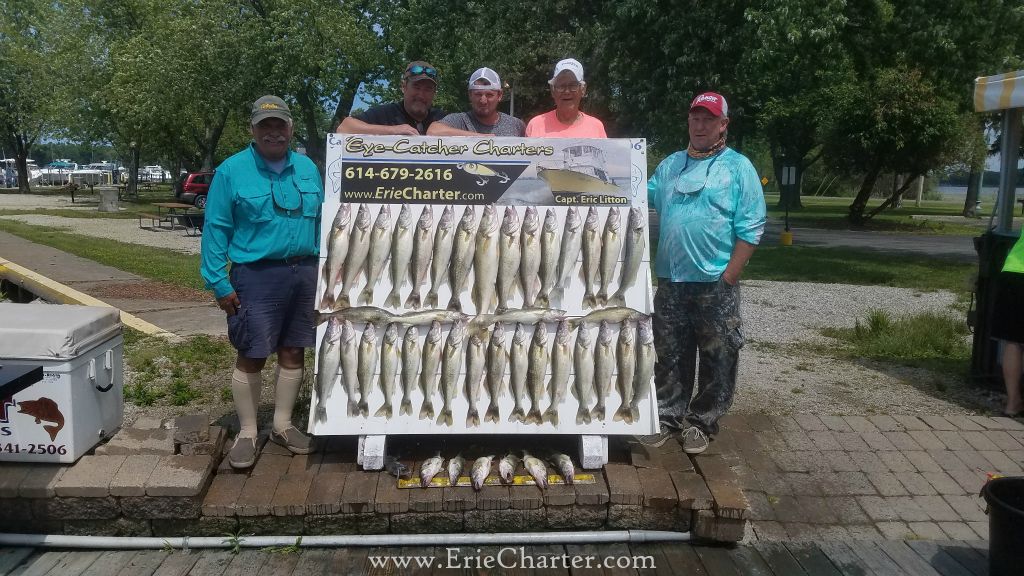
525,497
161,506
810,422
787,508
271,464
926,439
428,523
760,509
131,476
868,462
847,510
760,461
658,490
217,437
291,494
769,531
76,508
180,476
902,440
224,491
746,478
16,510
907,508
192,429
896,462
801,461
980,528
148,423
911,422
667,457
1003,440
860,424
802,484
887,484
706,525
864,532
692,491
41,480
1001,461
832,532
957,530
973,460
817,510
836,423
877,441
942,482
272,525
620,516
979,440
938,423
894,530
656,519
358,494
506,520
839,461
458,499
1000,423
623,484
926,530
498,497
916,484
852,483
852,441
825,440
90,477
970,480
784,423
595,494
947,460
936,508
204,526
389,497
560,517
1015,455
324,496
130,441
800,532
119,527
952,440
886,423
878,508
797,440
256,495
964,422
11,476
775,482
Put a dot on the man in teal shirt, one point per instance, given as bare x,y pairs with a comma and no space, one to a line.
263,215
711,216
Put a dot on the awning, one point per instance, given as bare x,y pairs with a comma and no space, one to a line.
999,92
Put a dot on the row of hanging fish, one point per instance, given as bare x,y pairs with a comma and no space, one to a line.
538,371
481,468
504,255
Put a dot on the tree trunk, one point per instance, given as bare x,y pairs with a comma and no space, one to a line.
314,141
133,171
21,149
973,189
860,202
896,197
213,134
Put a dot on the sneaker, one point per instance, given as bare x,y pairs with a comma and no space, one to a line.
655,440
296,442
694,440
243,453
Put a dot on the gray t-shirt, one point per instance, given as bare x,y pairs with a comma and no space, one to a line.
506,125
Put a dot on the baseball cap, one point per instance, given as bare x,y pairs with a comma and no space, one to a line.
712,102
568,64
493,81
419,70
269,107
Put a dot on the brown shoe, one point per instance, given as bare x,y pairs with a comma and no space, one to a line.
243,453
296,442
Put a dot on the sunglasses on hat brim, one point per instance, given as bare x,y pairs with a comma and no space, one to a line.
418,70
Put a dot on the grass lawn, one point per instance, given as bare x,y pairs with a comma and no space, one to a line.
831,213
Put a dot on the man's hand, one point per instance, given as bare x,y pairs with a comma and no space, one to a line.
403,130
730,278
229,304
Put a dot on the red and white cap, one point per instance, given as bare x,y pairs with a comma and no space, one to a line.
712,102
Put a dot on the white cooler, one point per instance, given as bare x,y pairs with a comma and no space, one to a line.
80,400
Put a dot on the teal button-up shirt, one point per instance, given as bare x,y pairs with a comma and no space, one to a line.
703,207
254,213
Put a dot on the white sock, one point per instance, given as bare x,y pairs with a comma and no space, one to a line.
286,391
245,389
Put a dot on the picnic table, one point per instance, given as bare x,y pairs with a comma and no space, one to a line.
122,190
174,213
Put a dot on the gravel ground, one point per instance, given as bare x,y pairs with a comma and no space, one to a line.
116,229
35,201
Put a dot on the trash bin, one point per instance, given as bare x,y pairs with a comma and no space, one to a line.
1005,498
108,199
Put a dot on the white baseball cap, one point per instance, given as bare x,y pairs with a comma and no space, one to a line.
493,81
568,64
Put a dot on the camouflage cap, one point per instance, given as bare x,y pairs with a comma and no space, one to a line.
269,107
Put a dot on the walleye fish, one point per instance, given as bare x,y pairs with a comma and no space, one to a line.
380,248
635,241
529,263
627,368
485,261
645,358
525,316
455,466
327,367
442,253
564,465
337,250
420,256
367,366
591,257
401,254
612,315
476,358
497,360
548,258
360,314
611,247
604,363
424,317
430,468
583,373
561,366
410,367
519,361
535,373
507,467
396,468
537,469
358,248
569,252
481,470
509,256
451,365
428,377
350,365
462,257
390,355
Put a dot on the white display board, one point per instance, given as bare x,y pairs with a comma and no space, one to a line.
383,173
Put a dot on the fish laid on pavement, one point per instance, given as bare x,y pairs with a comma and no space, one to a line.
563,464
428,376
529,262
509,254
626,353
548,258
635,241
497,359
390,356
401,254
481,470
430,468
441,253
591,257
561,366
350,365
410,367
485,261
476,359
451,366
519,361
367,366
507,467
337,251
396,468
462,257
645,358
358,248
612,315
604,365
537,469
327,367
583,373
455,466
380,249
420,256
569,251
536,372
611,247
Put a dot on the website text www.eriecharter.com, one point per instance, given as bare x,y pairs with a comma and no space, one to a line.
512,558
414,194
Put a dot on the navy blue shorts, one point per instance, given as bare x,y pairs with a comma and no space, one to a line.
277,306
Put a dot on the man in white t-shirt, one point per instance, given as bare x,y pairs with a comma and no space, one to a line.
485,93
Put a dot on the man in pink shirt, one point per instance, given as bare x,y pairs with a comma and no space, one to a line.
566,120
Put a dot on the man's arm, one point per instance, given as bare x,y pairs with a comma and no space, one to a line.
442,129
352,125
748,221
217,232
741,253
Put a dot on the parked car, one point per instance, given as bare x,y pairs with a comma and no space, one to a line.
193,188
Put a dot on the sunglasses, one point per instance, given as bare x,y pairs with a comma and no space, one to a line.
417,70
686,187
567,88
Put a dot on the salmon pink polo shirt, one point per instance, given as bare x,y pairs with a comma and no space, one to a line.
547,125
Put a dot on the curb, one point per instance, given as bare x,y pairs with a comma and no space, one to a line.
57,292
